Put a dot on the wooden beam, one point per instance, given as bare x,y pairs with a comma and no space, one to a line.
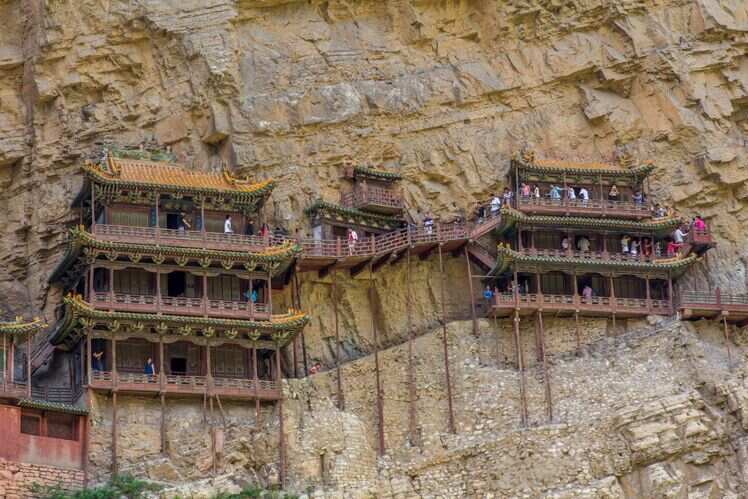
380,402
546,370
334,298
359,267
445,345
281,425
114,433
163,423
472,292
521,368
412,409
423,255
303,340
727,340
379,262
322,272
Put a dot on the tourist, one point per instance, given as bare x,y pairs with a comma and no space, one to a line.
613,193
698,224
428,224
647,247
487,295
638,198
279,233
634,248
584,195
149,369
570,194
625,243
658,249
565,243
184,225
264,231
315,368
583,244
672,248
679,236
587,293
352,240
480,212
658,211
555,192
524,190
508,194
251,296
227,225
250,229
535,191
495,205
98,360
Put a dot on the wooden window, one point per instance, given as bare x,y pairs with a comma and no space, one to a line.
131,218
555,283
630,287
61,426
134,282
131,355
229,362
224,287
31,423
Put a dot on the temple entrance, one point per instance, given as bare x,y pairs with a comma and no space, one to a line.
172,221
176,284
178,365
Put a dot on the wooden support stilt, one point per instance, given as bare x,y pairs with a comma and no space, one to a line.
412,410
546,370
28,365
114,433
380,402
498,341
213,454
576,332
450,414
727,341
521,369
163,423
5,363
472,292
303,341
338,375
256,383
281,426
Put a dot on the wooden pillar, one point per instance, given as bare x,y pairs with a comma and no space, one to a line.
114,433
613,301
338,375
156,227
89,353
12,366
162,389
256,384
648,295
412,410
445,345
205,297
209,370
111,286
472,292
516,289
163,423
90,286
270,295
532,240
727,340
93,207
520,244
380,402
158,291
546,371
281,429
670,291
521,368
303,340
28,365
115,381
5,363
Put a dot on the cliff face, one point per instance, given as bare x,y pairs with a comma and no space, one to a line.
442,92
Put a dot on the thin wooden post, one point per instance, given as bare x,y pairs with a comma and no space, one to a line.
613,301
209,369
162,389
472,292
412,414
727,340
649,299
12,361
546,370
576,331
303,340
163,422
114,433
5,363
28,365
93,207
521,368
251,302
445,343
281,428
670,291
338,375
256,383
380,402
158,222
270,295
115,377
89,353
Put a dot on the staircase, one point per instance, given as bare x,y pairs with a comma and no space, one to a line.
486,226
481,255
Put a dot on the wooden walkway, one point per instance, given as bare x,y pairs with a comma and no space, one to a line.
732,308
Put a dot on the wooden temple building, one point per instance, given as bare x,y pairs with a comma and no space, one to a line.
160,269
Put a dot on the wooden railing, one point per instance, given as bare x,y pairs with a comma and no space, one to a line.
620,208
180,305
711,298
12,389
588,255
372,197
699,237
182,383
603,303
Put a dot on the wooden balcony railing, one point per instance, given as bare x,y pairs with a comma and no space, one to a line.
578,206
12,389
715,298
589,255
372,197
180,305
185,384
578,302
699,237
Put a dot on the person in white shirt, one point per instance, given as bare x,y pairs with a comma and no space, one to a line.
679,236
625,243
570,194
352,240
583,244
565,243
495,204
634,249
584,195
507,196
227,225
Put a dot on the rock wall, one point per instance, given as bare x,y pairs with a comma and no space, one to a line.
22,480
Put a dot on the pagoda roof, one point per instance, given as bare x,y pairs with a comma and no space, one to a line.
528,162
46,405
507,258
20,326
170,177
375,173
352,216
82,243
511,217
280,328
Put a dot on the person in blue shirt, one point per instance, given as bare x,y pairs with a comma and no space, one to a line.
487,295
555,192
251,296
149,368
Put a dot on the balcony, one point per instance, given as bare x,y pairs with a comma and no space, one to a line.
593,256
152,304
713,304
504,304
241,388
183,238
592,207
12,389
371,198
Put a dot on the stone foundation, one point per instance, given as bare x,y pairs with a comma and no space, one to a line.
18,480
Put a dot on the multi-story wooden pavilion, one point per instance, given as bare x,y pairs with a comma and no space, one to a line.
569,246
372,204
164,272
13,334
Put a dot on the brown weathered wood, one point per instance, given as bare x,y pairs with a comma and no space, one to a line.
257,387
546,370
114,433
163,423
28,365
472,292
727,340
380,402
521,368
281,427
445,345
338,374
412,410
